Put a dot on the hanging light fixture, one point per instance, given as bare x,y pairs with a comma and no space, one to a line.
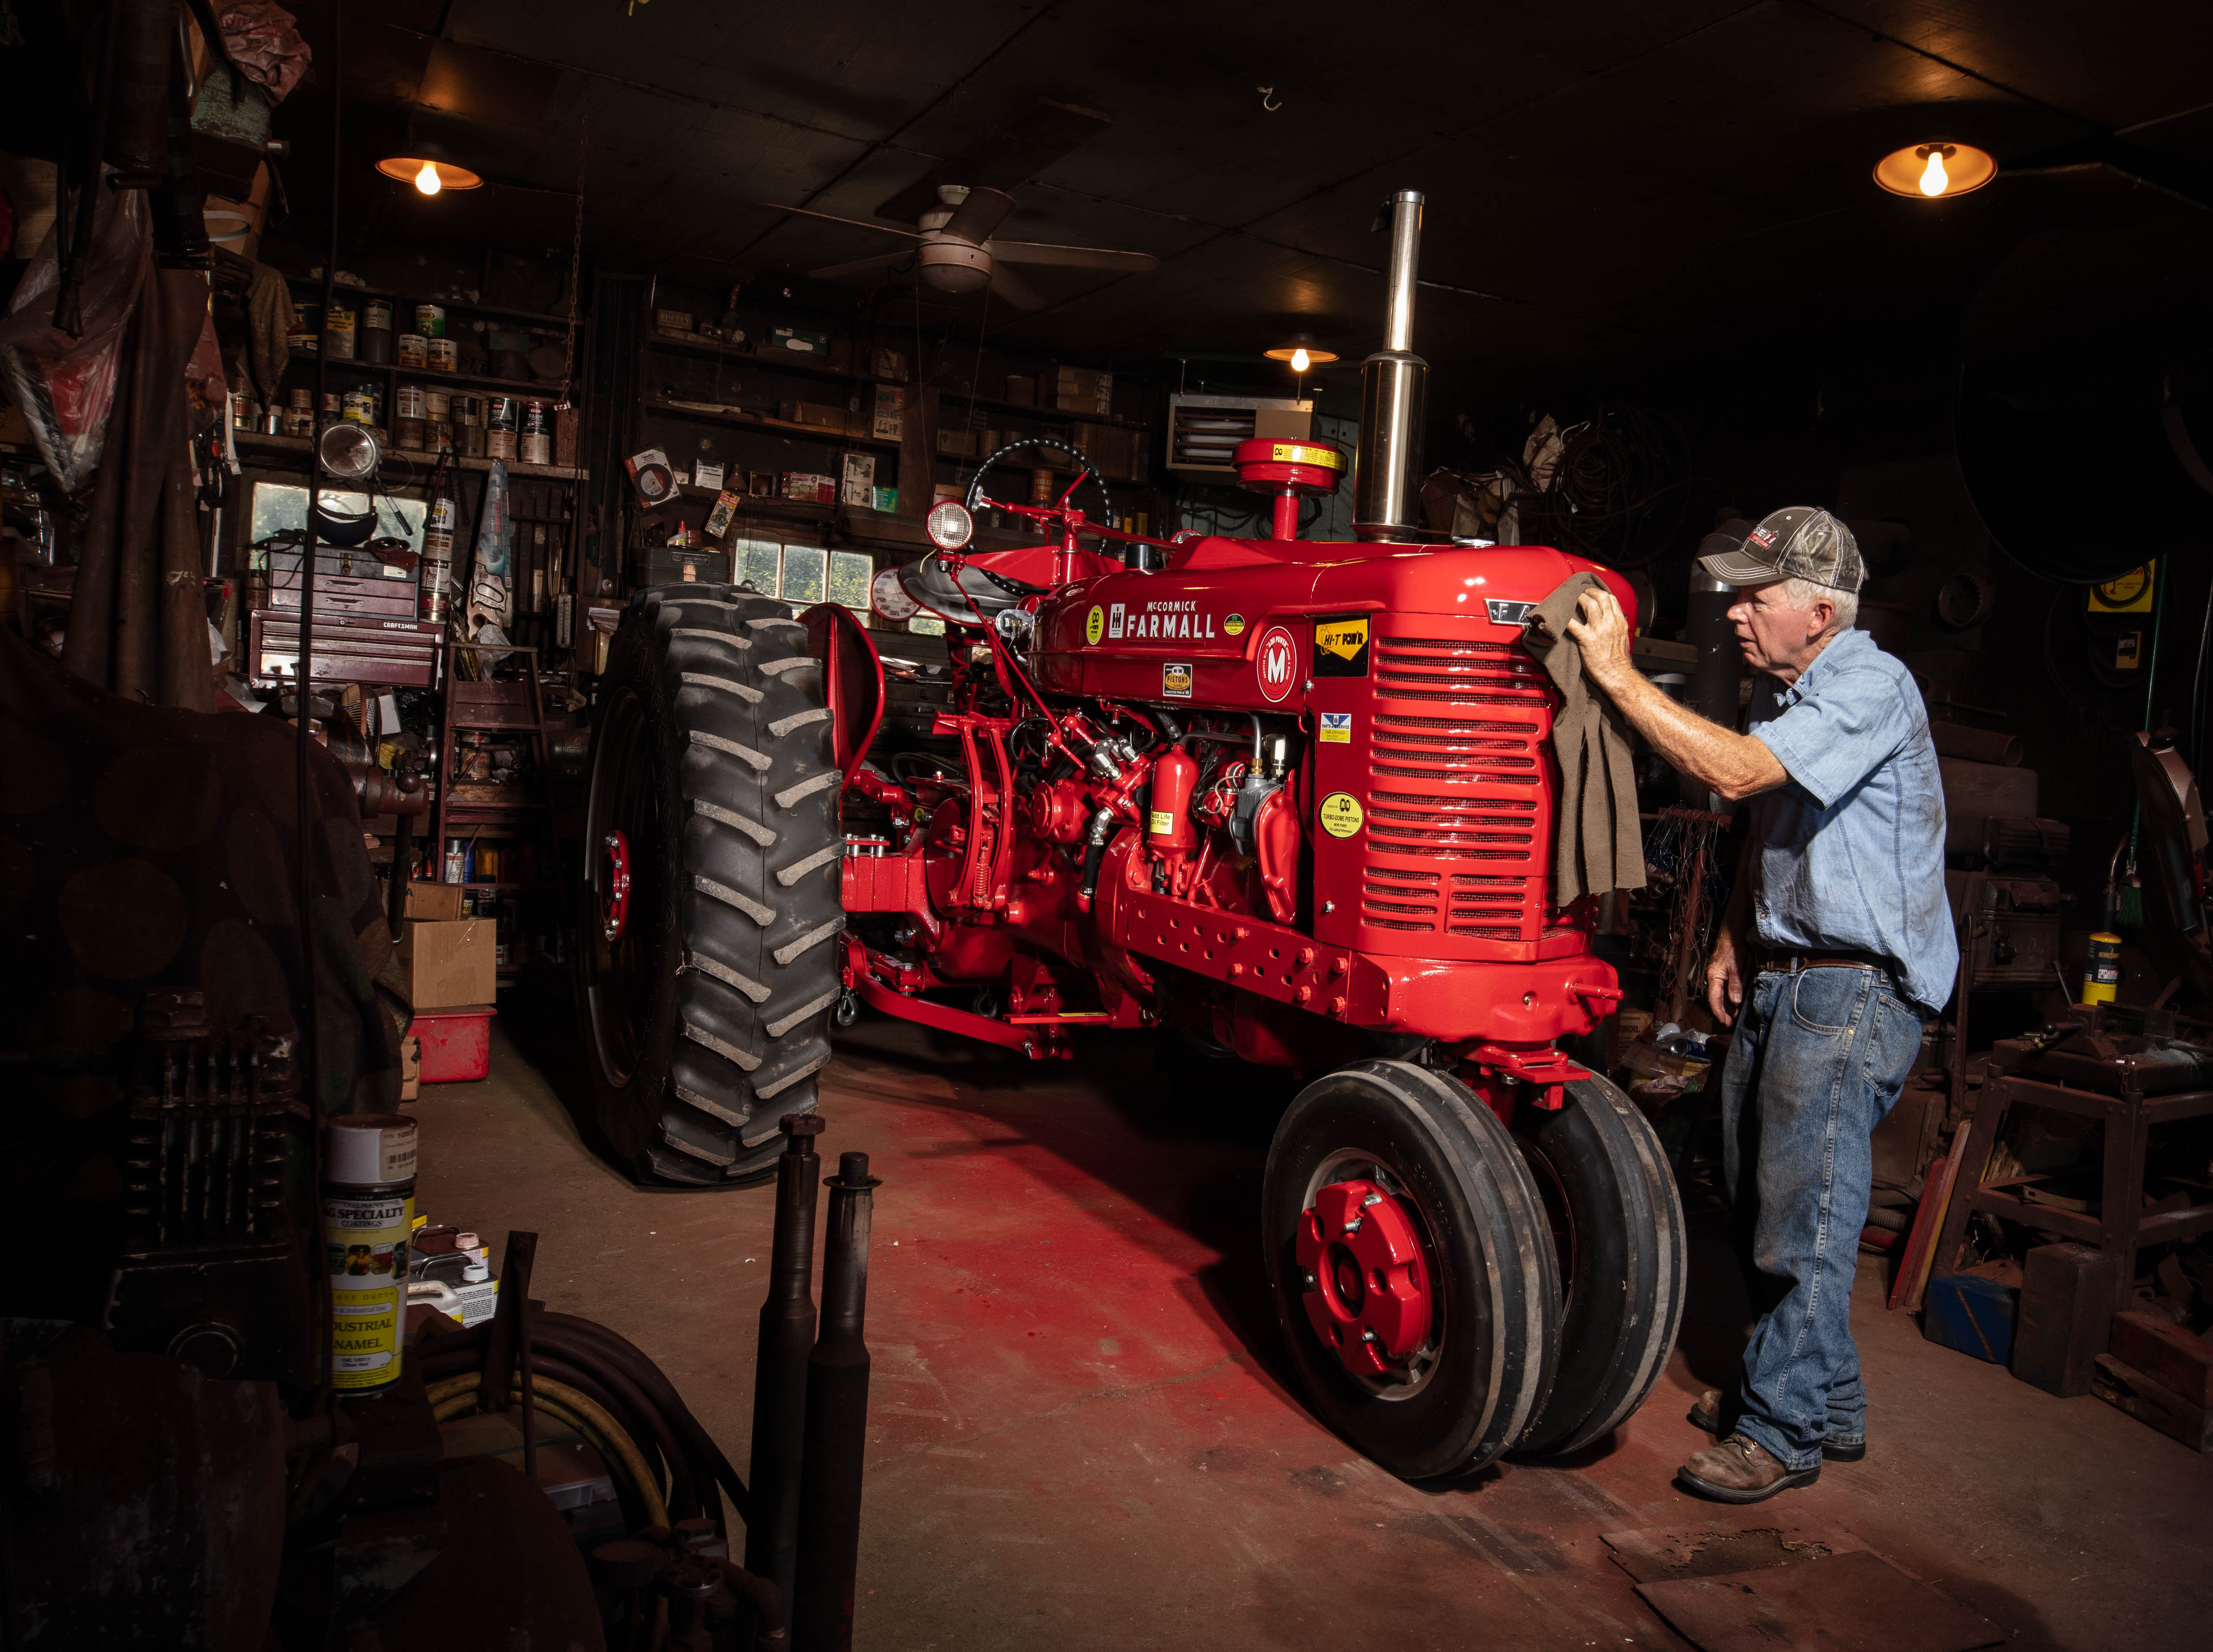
428,167
1301,352
1933,172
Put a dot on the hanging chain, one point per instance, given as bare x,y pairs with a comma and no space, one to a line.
576,266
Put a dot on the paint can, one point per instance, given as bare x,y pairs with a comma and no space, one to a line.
536,445
375,339
359,406
503,418
368,1215
438,405
338,334
408,433
407,403
413,351
430,320
441,355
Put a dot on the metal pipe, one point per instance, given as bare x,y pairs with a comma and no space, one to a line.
780,1368
1387,471
837,1423
1720,670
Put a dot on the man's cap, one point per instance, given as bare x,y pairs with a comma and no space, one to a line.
1799,542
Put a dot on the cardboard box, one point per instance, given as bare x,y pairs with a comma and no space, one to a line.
411,1068
857,483
434,902
672,320
707,475
885,500
887,364
809,488
814,414
961,444
442,964
799,338
1083,389
888,421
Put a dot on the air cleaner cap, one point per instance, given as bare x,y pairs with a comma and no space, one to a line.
1266,465
949,526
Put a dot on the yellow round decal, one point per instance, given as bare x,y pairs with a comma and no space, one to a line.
1232,625
1094,625
1340,814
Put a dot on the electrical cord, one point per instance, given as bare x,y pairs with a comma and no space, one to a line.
458,1396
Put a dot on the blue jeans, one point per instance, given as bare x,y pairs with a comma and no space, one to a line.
1824,1052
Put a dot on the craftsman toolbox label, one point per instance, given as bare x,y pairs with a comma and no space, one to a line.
1336,728
1176,681
1340,647
1094,625
1340,814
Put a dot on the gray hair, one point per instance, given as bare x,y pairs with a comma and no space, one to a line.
1843,605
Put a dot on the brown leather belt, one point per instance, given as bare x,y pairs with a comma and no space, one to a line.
1789,963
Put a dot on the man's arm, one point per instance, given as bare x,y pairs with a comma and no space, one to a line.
1736,765
1725,969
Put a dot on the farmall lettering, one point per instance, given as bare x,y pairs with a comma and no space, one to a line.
1339,863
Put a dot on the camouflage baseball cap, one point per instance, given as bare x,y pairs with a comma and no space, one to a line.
1799,542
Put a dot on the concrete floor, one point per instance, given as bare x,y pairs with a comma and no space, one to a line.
1083,1432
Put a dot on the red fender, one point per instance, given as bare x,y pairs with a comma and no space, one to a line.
854,678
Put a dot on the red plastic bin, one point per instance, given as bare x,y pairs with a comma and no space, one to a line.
456,1044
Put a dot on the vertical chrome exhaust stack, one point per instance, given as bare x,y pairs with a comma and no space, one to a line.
1395,385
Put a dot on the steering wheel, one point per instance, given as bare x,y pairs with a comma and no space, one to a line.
1083,459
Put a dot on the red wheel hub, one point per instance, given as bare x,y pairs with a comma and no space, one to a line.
1366,1290
614,885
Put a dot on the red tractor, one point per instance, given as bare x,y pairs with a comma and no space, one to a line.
1296,799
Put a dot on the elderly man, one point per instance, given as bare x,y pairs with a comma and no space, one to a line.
1836,943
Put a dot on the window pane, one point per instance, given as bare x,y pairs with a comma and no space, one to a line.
754,562
802,574
925,625
850,573
279,506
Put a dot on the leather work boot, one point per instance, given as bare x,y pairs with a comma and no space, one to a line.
1740,1470
1706,1416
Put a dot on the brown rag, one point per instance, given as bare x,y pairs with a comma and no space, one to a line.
1599,846
269,317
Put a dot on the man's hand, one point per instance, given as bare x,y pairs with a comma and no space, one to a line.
1600,629
1723,979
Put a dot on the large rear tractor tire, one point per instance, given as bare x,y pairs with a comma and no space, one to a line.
1407,1253
1616,1226
714,793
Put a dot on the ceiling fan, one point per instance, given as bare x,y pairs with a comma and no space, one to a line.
959,204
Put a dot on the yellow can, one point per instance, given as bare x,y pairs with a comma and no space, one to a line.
369,1214
2101,971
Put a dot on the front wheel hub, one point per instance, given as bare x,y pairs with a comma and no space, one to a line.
1366,1289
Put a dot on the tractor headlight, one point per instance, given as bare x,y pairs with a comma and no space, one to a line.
949,526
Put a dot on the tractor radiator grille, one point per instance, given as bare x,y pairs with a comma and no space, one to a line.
1458,823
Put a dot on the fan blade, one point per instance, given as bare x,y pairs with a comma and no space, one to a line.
1013,288
1089,257
832,218
979,215
881,261
1016,149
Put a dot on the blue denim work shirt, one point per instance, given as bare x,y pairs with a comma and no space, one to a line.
1850,848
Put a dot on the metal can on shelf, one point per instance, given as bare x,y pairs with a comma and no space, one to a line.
437,434
475,441
468,409
502,420
333,403
375,340
338,334
359,406
536,447
407,403
303,401
441,355
430,320
413,351
437,405
408,433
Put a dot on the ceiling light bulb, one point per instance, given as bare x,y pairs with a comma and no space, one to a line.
1933,180
1300,361
427,179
